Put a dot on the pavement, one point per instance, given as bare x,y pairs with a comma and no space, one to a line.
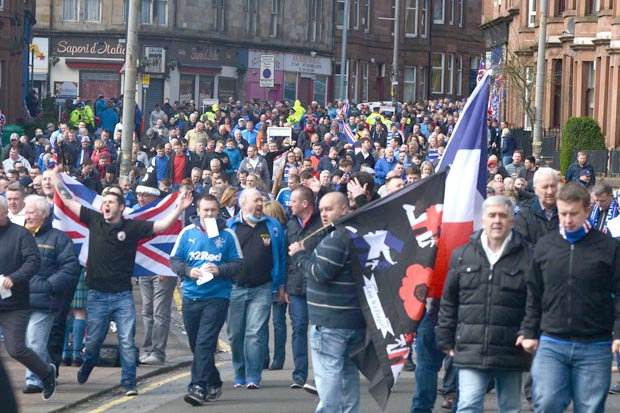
103,379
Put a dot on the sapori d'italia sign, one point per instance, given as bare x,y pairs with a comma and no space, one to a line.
81,48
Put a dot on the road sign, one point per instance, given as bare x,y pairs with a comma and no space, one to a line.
267,68
146,81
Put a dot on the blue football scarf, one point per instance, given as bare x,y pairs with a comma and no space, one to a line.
573,236
612,212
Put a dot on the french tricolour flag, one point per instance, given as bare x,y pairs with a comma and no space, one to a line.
152,257
466,155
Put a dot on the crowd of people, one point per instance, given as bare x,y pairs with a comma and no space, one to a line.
539,277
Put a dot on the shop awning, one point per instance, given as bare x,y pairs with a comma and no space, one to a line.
207,70
110,65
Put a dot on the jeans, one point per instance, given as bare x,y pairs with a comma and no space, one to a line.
473,385
156,309
430,358
279,332
248,324
105,307
14,324
37,336
337,378
450,377
576,371
203,321
298,311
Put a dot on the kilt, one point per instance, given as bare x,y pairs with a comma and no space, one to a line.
81,292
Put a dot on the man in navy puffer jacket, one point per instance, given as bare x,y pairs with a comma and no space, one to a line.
59,270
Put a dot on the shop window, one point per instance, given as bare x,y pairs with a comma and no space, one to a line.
437,72
409,84
186,88
218,15
290,86
320,90
92,10
70,10
226,87
205,88
411,18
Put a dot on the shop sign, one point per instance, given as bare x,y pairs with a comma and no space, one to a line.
154,60
196,55
76,47
307,64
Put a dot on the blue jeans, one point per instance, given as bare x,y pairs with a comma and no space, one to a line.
203,321
298,311
473,385
576,371
101,309
37,336
248,324
279,332
337,378
430,358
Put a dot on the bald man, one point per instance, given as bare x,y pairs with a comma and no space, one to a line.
334,311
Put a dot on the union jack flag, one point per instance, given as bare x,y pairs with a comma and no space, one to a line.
152,257
481,70
344,125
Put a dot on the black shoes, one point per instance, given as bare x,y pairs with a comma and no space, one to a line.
49,384
84,372
196,396
214,393
32,389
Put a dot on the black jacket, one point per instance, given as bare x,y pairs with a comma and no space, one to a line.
295,279
19,260
170,167
60,269
532,223
482,308
573,290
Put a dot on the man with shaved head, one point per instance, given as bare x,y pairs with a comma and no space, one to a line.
334,310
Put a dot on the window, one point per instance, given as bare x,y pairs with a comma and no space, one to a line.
439,9
92,10
338,93
423,17
366,19
356,13
531,13
290,86
593,6
218,14
423,83
411,18
1,5
560,7
450,74
315,22
438,61
354,80
146,12
125,11
409,84
340,14
364,97
452,11
461,12
251,16
275,17
589,69
459,75
319,89
70,10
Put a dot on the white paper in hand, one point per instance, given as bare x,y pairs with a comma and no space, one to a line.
205,277
4,292
211,227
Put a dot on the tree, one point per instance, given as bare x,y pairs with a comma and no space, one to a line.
582,133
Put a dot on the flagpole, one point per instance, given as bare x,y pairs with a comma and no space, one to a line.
323,228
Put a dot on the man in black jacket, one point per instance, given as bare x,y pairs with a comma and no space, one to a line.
20,260
482,307
333,310
539,216
305,220
573,310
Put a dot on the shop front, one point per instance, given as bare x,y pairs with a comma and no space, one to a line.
93,63
202,73
297,76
